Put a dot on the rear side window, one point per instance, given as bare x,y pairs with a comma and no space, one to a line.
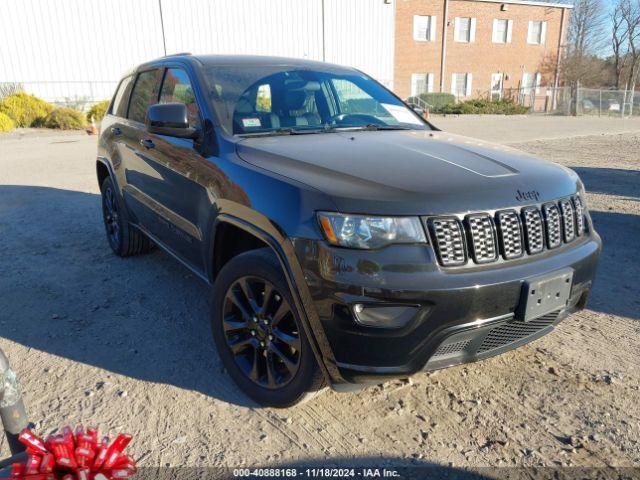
176,88
119,106
145,93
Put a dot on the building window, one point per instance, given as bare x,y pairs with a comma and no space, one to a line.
461,84
502,29
464,29
424,28
421,83
537,33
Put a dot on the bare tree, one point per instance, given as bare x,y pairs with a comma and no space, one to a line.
586,28
626,46
585,38
619,40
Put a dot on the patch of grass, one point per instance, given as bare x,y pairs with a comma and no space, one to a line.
25,110
438,101
98,111
6,123
484,107
65,119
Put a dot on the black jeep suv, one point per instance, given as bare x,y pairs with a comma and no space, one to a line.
346,239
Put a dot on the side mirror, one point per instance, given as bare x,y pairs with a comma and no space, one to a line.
170,119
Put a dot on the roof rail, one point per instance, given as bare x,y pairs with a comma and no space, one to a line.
177,54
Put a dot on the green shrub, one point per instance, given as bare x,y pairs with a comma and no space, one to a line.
25,110
6,124
484,107
438,101
65,119
98,111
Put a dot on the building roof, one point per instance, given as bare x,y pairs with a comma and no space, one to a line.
526,2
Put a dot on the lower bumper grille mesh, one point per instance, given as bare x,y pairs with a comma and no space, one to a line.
514,331
451,348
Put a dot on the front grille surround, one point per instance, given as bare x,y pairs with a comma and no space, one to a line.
568,219
578,208
449,238
533,230
551,214
506,235
483,242
510,232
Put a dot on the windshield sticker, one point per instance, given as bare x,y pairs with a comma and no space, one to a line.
401,114
251,122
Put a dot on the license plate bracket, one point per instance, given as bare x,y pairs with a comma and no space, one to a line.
545,294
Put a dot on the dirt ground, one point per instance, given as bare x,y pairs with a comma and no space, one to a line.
125,344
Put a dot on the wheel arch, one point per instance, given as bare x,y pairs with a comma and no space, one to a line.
102,171
282,247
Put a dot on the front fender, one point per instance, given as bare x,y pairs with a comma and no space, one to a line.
271,235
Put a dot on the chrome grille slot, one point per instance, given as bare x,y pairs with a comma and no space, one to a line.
568,225
533,230
510,234
482,238
552,223
579,210
449,238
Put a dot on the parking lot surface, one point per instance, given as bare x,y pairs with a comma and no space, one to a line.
125,344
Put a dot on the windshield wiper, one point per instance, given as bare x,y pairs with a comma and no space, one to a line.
375,126
283,131
369,127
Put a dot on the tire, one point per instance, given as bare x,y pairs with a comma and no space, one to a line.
263,372
124,239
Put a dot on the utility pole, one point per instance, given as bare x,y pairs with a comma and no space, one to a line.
164,42
324,53
443,54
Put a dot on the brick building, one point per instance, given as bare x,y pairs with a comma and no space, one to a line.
477,48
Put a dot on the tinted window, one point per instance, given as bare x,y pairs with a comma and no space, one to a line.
144,94
176,88
119,106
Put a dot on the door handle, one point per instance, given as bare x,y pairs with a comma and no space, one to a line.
146,143
116,130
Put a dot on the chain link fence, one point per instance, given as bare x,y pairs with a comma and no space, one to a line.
576,101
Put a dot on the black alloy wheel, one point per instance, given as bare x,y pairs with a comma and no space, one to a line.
261,332
111,215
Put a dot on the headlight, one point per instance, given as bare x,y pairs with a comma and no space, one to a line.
363,231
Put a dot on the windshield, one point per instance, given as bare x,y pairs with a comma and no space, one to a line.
258,100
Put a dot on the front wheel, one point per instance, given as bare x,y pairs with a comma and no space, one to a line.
258,333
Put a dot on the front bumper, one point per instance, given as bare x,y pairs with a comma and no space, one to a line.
458,316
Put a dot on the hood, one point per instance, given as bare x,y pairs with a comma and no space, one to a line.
410,172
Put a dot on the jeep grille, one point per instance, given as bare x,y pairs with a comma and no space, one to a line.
509,234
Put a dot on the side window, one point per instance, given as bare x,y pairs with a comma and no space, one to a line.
143,95
352,99
119,106
263,98
176,88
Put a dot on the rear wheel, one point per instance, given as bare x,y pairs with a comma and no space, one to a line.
124,239
258,333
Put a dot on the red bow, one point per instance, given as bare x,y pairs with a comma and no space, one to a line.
71,456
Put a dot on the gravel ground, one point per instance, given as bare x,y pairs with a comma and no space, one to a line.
125,344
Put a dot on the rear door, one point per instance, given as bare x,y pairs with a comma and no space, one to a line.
140,176
166,173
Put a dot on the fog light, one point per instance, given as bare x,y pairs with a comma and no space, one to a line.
384,316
